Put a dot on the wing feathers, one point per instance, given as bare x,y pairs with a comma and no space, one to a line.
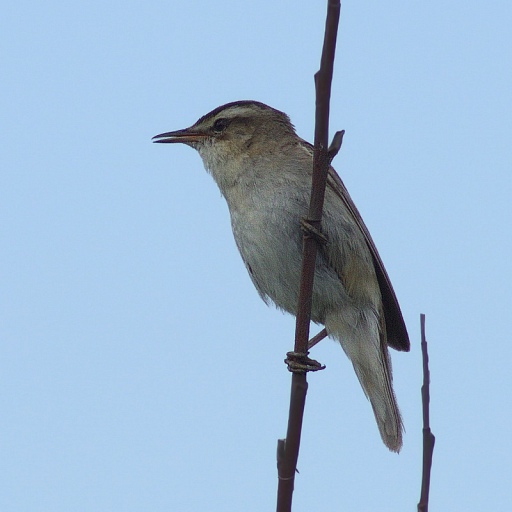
397,336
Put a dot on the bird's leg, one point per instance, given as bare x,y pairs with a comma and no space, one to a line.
317,338
312,231
298,362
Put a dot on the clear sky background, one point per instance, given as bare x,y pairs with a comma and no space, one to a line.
139,369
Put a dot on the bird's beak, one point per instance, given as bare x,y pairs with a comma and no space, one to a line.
186,136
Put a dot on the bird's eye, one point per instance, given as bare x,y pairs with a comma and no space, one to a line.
220,125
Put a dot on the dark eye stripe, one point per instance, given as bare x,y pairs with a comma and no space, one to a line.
220,125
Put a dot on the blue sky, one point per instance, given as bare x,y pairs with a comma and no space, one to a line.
139,370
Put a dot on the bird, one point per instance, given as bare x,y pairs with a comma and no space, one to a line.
264,171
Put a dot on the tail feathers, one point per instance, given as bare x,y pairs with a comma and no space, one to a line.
377,387
364,343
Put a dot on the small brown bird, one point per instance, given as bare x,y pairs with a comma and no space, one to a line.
264,170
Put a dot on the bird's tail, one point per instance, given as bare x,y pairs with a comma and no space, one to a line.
365,345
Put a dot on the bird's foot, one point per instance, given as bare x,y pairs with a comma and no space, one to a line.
299,362
310,230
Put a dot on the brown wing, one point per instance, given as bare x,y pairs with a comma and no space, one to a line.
397,336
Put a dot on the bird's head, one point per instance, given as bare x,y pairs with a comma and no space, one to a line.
235,137
233,129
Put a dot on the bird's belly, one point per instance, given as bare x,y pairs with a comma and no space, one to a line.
270,244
